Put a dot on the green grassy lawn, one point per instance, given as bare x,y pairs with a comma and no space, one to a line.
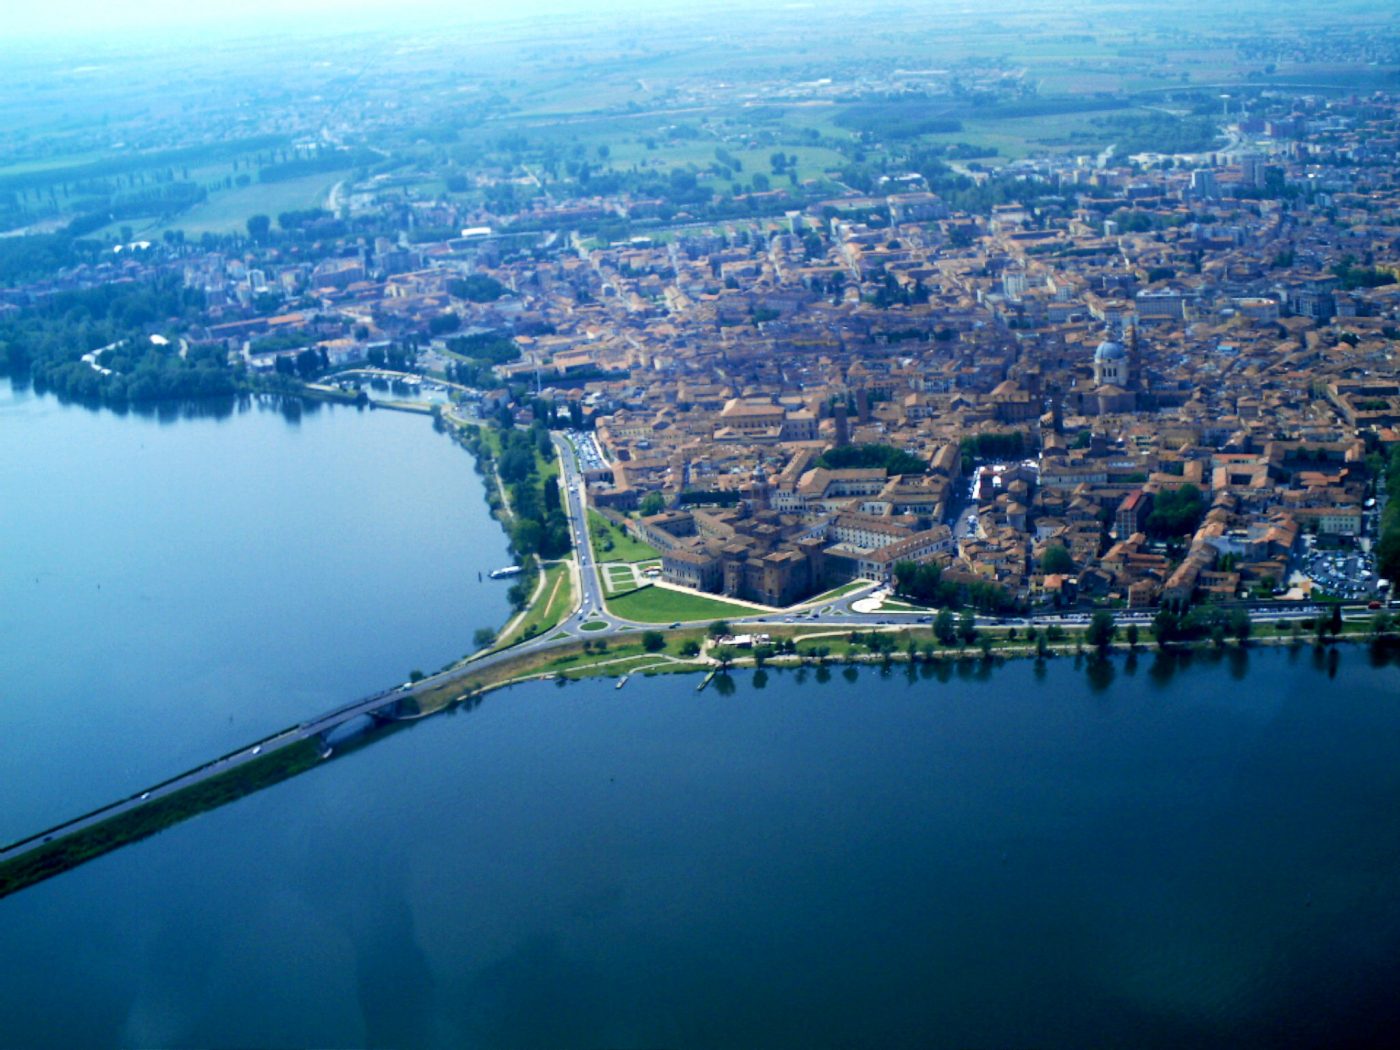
556,599
611,543
228,210
616,580
661,605
839,592
629,653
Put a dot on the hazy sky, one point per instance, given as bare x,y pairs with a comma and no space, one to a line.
67,18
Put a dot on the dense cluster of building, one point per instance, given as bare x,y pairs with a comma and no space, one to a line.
1225,321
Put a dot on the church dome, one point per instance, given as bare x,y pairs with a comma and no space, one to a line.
1110,351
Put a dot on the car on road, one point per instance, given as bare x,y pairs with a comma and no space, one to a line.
257,750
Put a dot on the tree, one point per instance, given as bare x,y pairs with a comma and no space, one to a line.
1132,635
1240,625
1166,626
944,628
1334,622
653,641
476,288
652,503
1102,628
967,627
1056,559
483,637
894,460
258,227
1176,512
690,647
1042,647
719,629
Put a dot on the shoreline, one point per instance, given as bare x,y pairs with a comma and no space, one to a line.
58,853
567,659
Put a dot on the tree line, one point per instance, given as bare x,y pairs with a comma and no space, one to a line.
47,342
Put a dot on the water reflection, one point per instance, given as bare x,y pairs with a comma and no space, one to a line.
163,412
1099,671
1383,652
1237,660
1168,663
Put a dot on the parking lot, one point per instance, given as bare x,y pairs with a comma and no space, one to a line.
590,456
1339,573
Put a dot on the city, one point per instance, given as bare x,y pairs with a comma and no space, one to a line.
844,524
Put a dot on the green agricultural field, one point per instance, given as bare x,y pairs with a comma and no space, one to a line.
228,210
662,605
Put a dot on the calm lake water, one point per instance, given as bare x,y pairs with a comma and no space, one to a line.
1164,853
171,588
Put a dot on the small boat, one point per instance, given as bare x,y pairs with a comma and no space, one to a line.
621,682
509,570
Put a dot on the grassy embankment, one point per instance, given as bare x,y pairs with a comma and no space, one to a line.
578,659
556,598
68,851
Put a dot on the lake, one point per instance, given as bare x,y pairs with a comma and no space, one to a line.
172,587
1151,852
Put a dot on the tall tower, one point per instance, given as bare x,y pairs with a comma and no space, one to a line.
1134,360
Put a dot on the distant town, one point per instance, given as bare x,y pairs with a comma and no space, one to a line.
1134,378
